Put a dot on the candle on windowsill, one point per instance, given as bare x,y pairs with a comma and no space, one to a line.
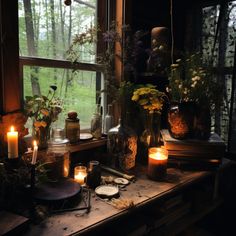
35,153
80,173
12,143
157,163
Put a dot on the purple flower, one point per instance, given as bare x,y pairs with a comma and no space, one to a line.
109,36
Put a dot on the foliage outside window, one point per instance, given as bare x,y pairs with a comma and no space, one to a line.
222,50
46,30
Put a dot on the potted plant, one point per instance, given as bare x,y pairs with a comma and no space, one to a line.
43,110
194,93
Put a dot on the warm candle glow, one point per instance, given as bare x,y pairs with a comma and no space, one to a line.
80,172
158,156
35,153
12,142
157,163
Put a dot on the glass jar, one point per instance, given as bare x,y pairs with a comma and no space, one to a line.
58,156
94,174
80,174
72,127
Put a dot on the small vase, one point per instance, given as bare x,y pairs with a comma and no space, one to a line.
150,136
42,135
122,146
181,119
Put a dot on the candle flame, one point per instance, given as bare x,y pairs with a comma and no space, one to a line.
35,143
12,129
158,153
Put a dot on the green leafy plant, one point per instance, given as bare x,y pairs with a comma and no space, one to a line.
43,109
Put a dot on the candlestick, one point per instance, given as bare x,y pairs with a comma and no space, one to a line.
80,173
35,153
157,163
12,141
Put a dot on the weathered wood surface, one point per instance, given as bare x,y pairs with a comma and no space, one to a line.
142,192
10,221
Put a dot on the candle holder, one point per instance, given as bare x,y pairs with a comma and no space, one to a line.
80,174
157,163
32,176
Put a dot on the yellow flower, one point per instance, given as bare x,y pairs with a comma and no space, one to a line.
135,97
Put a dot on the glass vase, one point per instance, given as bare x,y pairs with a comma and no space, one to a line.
181,120
42,135
150,137
122,146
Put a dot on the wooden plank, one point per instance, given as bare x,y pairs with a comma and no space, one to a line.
10,222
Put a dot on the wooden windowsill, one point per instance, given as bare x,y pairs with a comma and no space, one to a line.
86,145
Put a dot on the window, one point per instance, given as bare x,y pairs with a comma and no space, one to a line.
46,31
218,39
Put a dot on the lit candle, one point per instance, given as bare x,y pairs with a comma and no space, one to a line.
12,141
35,153
157,163
80,173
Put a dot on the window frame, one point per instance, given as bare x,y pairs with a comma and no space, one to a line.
11,63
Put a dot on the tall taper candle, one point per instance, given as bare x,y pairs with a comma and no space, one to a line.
12,142
35,153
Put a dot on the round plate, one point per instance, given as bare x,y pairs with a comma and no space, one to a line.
121,181
52,191
86,136
107,191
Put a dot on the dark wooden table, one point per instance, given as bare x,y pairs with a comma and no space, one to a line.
143,192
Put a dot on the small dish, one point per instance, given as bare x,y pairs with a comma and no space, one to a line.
107,191
86,136
121,181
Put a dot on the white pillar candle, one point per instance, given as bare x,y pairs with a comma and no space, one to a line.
35,153
12,142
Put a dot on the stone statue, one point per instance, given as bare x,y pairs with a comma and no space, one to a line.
159,53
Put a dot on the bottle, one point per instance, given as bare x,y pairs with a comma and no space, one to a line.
94,174
96,123
108,120
72,127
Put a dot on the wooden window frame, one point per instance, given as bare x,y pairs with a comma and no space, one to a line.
11,67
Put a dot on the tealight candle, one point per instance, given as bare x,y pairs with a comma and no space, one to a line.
12,142
157,163
80,173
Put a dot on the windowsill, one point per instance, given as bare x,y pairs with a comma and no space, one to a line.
86,145
77,147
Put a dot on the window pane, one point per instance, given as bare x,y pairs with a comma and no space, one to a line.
47,27
76,89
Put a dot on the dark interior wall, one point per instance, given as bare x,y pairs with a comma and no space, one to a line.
146,14
153,13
